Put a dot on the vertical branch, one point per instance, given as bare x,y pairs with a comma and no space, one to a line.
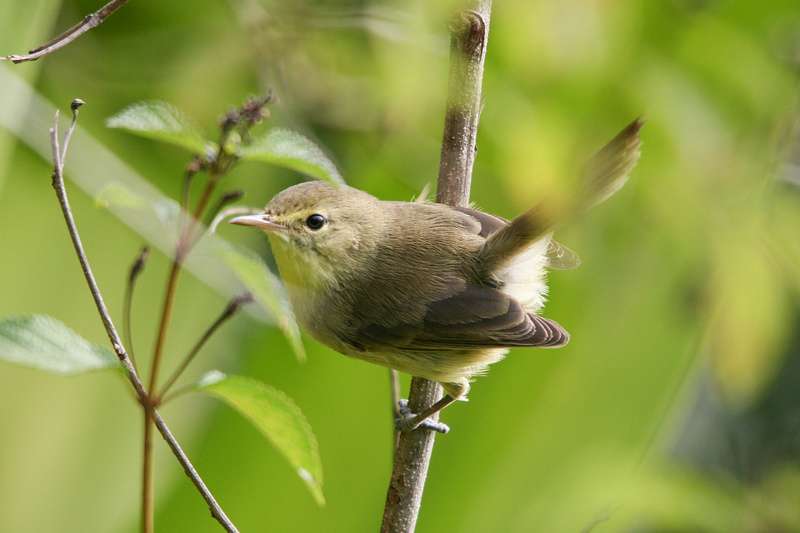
469,31
469,35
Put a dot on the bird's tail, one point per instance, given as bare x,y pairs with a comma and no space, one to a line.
606,172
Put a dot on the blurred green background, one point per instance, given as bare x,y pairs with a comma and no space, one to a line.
674,407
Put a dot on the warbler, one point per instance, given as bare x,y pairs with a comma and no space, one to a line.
432,290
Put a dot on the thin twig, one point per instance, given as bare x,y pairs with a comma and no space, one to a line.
148,459
182,248
148,472
68,135
227,198
166,315
232,308
113,335
136,269
191,171
469,34
88,22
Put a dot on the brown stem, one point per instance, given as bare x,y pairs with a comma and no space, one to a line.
185,243
88,22
214,175
148,477
166,314
469,34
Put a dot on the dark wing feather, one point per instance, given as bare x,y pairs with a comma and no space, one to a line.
467,316
488,223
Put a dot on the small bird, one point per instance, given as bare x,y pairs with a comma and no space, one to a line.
435,291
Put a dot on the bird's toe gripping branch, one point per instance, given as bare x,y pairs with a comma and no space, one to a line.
409,421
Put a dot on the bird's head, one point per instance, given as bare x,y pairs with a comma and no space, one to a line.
319,232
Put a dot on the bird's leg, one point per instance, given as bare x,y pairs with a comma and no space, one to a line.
409,421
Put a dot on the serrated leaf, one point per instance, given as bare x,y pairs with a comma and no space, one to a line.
277,417
163,122
44,343
292,150
267,289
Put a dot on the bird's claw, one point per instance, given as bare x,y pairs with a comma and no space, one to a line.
409,421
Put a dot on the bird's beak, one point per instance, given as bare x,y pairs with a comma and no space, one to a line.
259,221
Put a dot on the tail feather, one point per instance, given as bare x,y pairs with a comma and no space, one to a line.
606,172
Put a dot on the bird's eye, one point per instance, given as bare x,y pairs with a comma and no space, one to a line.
315,221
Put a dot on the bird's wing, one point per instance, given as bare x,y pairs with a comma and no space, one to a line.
487,223
465,316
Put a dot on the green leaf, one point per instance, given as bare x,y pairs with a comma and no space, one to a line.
42,342
277,417
163,122
294,151
267,289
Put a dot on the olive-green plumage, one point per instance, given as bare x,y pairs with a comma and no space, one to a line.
428,289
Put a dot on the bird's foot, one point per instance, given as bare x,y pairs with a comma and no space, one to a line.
409,421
